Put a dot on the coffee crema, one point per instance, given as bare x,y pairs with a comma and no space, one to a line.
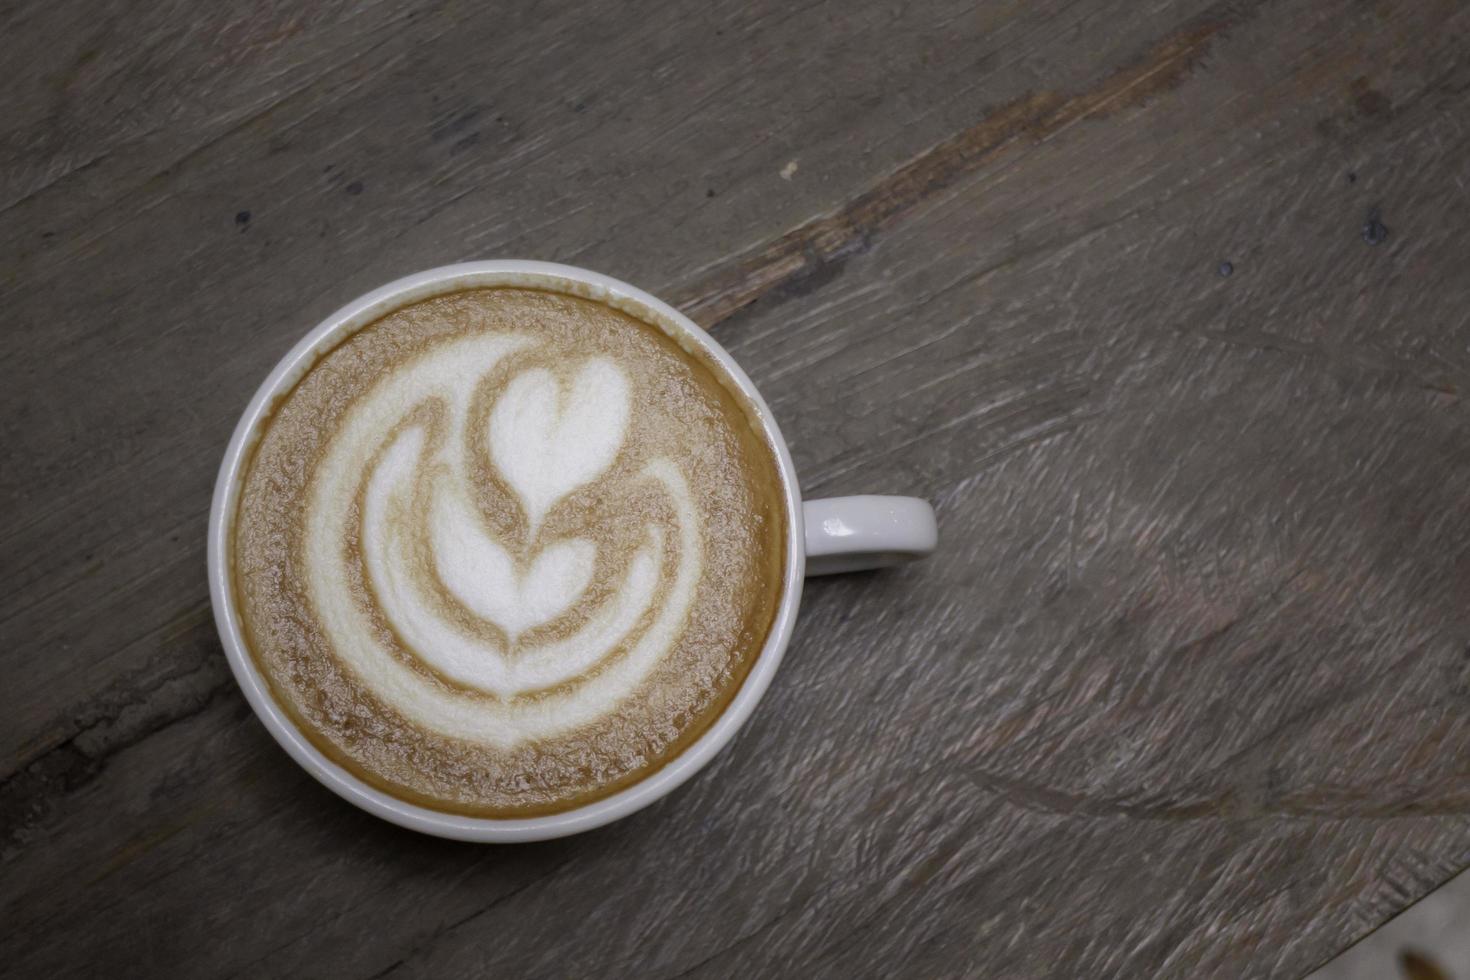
505,551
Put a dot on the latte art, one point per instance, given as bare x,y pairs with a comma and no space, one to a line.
505,551
480,611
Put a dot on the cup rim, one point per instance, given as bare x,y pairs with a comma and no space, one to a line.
352,317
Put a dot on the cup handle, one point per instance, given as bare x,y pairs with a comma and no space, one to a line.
849,534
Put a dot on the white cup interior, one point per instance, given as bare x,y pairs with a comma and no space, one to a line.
365,310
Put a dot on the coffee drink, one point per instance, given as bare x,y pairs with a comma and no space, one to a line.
507,550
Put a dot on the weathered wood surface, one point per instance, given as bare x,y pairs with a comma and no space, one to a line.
1186,690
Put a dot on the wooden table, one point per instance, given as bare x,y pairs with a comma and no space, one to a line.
1165,306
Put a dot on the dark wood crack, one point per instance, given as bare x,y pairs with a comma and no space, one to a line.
814,253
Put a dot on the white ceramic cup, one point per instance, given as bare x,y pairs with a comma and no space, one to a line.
837,534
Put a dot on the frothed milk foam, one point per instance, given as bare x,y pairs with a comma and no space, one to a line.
505,551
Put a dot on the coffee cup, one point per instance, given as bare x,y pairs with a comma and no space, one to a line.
820,536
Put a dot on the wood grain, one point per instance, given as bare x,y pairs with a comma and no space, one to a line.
1184,693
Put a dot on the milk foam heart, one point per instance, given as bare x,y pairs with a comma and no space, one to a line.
548,441
505,550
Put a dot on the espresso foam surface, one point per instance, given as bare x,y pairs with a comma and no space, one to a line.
505,551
